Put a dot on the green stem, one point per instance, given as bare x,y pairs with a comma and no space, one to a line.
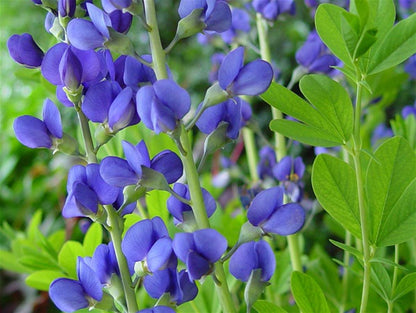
280,144
158,54
345,277
198,208
361,201
115,230
86,135
251,152
395,275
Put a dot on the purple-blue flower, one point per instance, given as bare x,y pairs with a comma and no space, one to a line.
71,295
271,9
64,65
240,24
104,262
216,14
409,110
67,7
251,256
113,5
199,250
236,112
178,285
148,241
24,50
158,309
268,212
35,133
410,66
159,110
236,78
289,169
380,132
316,57
267,162
120,172
86,190
178,208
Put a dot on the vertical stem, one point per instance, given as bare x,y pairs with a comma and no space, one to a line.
280,145
361,201
158,55
115,233
345,277
395,275
86,135
251,152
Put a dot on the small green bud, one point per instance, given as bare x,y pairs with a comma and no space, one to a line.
153,179
67,145
102,134
254,288
119,43
132,193
248,233
214,95
74,95
190,25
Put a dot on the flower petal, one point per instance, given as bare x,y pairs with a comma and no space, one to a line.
106,193
32,132
180,103
210,244
133,157
117,172
264,204
159,254
157,283
244,261
182,244
122,110
220,18
138,241
89,280
197,265
50,63
230,67
68,295
287,220
266,259
253,79
83,35
52,118
169,164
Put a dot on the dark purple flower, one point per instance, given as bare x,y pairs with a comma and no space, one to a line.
120,21
71,295
409,110
199,250
37,1
158,309
178,285
35,133
178,208
236,78
216,14
132,73
148,242
104,263
24,50
159,110
267,162
106,103
251,256
410,66
68,66
233,111
311,3
86,189
216,61
113,5
67,7
271,9
289,169
316,57
268,212
380,132
119,172
240,24
406,7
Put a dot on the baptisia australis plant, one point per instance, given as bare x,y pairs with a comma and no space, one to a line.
127,97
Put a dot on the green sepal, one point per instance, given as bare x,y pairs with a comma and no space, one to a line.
119,43
254,288
153,179
214,95
190,25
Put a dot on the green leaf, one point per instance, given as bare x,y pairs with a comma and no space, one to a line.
381,281
42,279
398,45
366,41
262,306
93,238
8,261
68,255
307,293
350,29
406,284
33,227
57,239
355,252
388,262
328,25
320,123
335,187
156,204
331,100
391,193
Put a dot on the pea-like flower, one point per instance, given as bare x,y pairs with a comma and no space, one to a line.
158,309
24,50
199,250
86,190
240,23
409,110
149,241
236,78
267,162
70,295
67,7
251,256
158,109
216,14
178,285
35,133
289,169
178,208
271,9
268,212
120,172
410,67
104,262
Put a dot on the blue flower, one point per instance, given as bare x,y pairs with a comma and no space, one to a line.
410,66
67,7
216,14
409,110
35,133
251,256
119,172
24,50
268,212
236,78
267,162
271,9
178,285
178,208
71,295
157,108
86,190
158,309
148,241
199,250
240,24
